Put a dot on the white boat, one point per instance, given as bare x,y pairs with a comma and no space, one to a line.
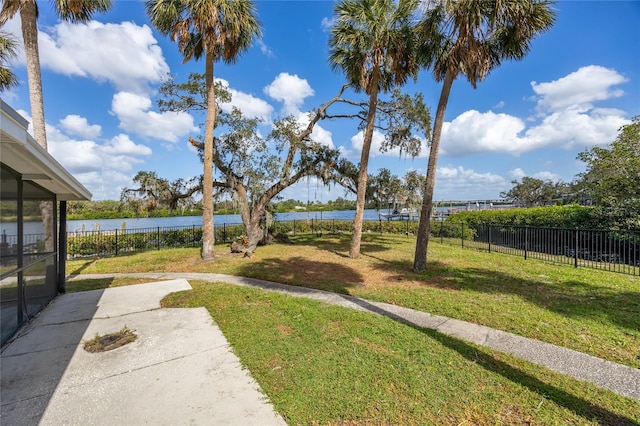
404,214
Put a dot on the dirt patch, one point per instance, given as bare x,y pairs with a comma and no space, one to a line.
284,330
110,341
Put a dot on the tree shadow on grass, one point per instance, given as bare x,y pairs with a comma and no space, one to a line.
582,407
567,297
339,243
78,270
76,285
304,272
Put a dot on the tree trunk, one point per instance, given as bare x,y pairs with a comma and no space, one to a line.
254,235
424,228
208,236
250,217
356,235
48,226
28,20
29,23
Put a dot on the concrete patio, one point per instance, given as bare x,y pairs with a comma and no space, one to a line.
180,369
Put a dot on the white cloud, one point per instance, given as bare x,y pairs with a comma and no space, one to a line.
553,177
85,156
79,126
291,90
357,141
122,145
125,54
474,132
104,184
580,88
458,183
568,119
77,156
248,104
518,174
53,133
322,136
285,88
265,49
133,112
103,167
319,134
327,23
572,128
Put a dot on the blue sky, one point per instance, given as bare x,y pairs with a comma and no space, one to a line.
577,86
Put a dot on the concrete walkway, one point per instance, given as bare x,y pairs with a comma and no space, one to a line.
618,378
180,369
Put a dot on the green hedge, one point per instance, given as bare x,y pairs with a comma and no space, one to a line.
571,216
449,229
344,226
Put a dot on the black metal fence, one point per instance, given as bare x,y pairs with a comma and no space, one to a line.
616,251
122,241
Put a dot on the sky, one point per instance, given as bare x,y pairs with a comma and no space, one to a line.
574,90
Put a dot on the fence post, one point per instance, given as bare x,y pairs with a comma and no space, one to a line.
441,232
462,236
489,238
158,238
116,241
575,252
224,231
294,227
526,241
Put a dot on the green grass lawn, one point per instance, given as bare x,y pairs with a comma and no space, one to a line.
592,311
322,364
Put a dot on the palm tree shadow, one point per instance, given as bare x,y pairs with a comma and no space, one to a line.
339,243
82,267
578,405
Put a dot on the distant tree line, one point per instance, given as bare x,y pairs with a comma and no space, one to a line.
113,209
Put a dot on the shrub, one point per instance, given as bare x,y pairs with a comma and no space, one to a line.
571,216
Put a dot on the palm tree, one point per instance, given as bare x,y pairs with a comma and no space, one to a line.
371,42
219,29
469,37
7,51
71,11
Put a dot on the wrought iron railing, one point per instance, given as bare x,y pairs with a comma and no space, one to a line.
616,251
